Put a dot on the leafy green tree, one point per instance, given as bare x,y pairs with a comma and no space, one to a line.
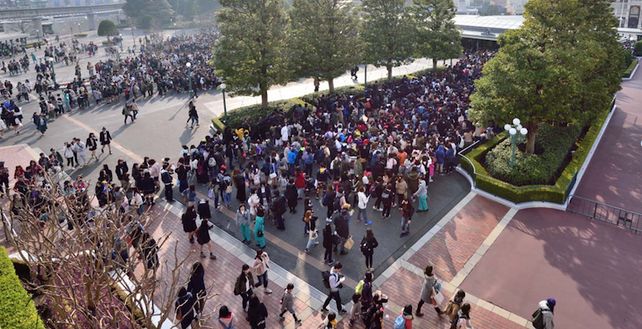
250,54
387,33
107,28
324,40
436,35
149,13
561,66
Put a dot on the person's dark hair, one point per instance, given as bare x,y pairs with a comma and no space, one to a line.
407,310
259,252
290,286
245,267
198,270
428,270
369,234
224,312
367,277
338,266
260,212
465,309
356,297
332,316
459,296
254,302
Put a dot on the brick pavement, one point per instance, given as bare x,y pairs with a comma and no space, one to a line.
452,247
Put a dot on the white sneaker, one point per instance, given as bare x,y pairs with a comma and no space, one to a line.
267,291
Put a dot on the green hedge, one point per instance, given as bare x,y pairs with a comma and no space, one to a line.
637,50
629,70
556,193
17,310
533,169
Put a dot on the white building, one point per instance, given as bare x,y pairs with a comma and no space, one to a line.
627,12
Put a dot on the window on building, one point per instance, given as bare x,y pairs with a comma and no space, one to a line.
634,17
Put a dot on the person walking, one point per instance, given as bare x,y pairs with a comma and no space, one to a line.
287,305
328,244
105,140
261,266
368,244
203,238
256,313
422,195
428,292
454,304
463,320
362,206
387,199
92,145
404,320
243,221
279,208
342,226
543,316
188,219
225,318
196,286
407,210
184,307
192,115
127,113
243,285
291,195
69,155
312,233
335,282
259,228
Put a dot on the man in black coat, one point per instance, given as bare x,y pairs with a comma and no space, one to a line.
291,195
341,223
278,209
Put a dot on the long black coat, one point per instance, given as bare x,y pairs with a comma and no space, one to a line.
188,219
291,195
204,210
203,233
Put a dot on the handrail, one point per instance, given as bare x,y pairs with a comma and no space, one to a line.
627,219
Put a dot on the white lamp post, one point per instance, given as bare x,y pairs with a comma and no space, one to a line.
516,132
223,86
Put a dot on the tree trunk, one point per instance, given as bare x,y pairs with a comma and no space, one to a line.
389,68
331,85
530,137
434,64
264,97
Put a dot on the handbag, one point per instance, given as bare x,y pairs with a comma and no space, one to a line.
259,233
349,243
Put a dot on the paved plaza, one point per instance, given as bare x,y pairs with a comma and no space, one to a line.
505,259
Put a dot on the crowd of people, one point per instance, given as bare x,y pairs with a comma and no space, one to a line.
343,151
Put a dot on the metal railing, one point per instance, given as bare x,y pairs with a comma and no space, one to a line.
623,218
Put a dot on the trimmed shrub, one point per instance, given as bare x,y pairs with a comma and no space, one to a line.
637,50
107,28
252,114
17,310
530,169
629,70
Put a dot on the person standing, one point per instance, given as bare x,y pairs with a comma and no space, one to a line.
335,281
342,226
243,221
422,195
368,245
256,313
291,195
92,145
261,266
188,219
278,209
204,211
387,199
243,285
428,292
454,305
105,140
203,238
166,178
362,206
4,180
196,286
259,228
225,318
328,243
287,305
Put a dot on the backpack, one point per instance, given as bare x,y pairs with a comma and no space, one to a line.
166,178
364,246
238,286
400,322
538,319
337,203
359,288
326,199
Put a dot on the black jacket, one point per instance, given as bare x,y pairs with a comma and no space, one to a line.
105,137
204,210
203,233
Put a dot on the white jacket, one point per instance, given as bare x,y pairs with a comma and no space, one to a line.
363,200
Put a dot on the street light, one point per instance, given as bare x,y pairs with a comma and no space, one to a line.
516,133
223,86
189,69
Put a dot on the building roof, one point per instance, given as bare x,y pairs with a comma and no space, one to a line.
504,22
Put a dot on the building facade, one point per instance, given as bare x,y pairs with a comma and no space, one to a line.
627,12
